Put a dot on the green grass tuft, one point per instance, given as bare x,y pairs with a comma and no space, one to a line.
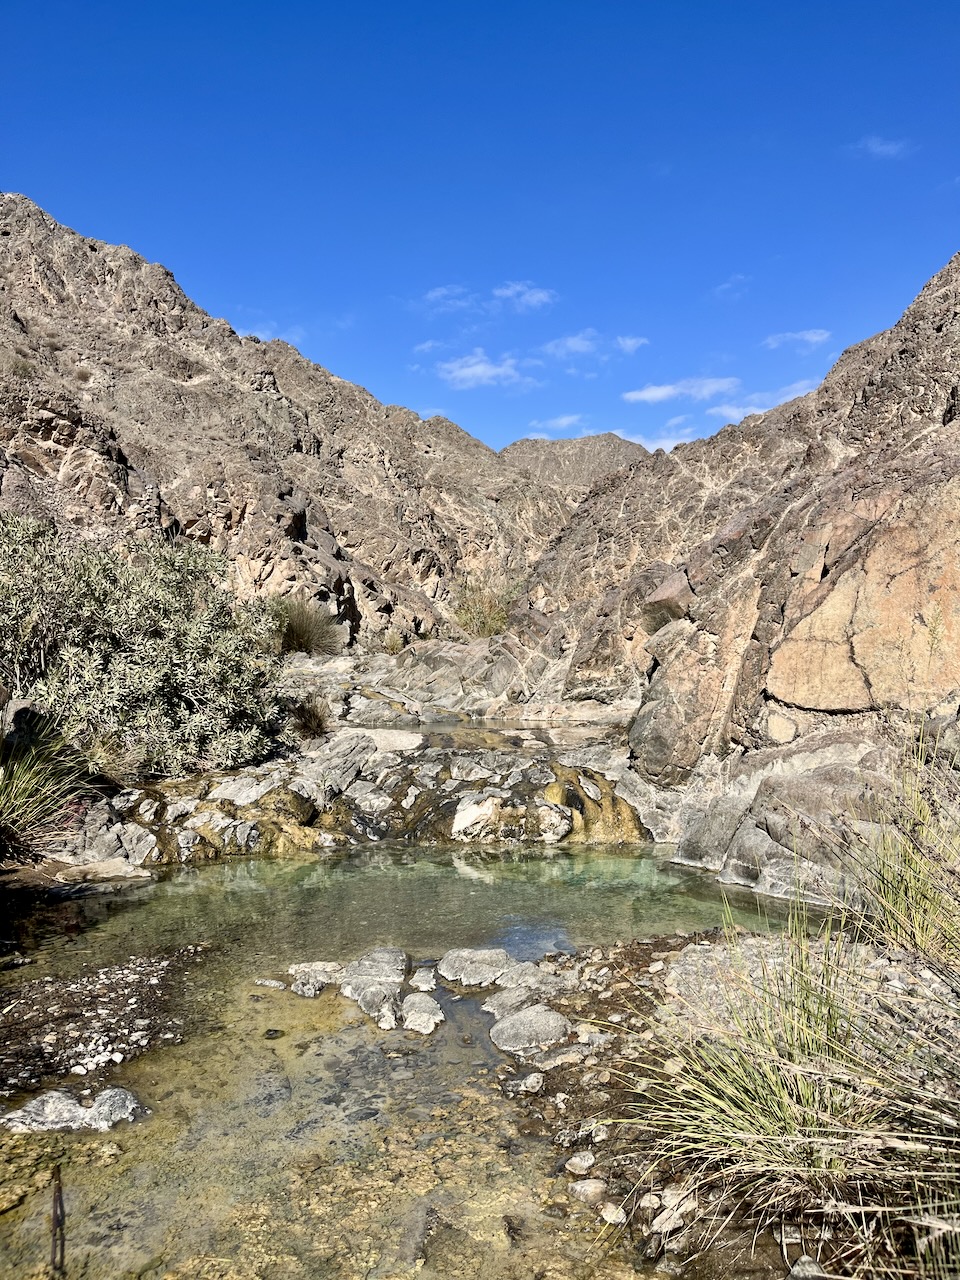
306,627
38,781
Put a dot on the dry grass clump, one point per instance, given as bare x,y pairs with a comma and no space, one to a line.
306,627
312,717
483,603
819,1094
39,778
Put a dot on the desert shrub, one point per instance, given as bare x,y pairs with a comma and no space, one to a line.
393,642
305,627
483,603
311,716
809,1093
145,652
38,780
22,367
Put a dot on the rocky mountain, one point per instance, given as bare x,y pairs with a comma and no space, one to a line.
125,407
575,465
761,605
798,567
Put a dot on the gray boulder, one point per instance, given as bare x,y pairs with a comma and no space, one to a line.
309,979
474,967
374,981
536,1027
421,1013
59,1110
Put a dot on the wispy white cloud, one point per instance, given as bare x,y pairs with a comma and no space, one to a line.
517,295
690,388
732,289
759,401
629,345
881,148
803,338
562,423
678,420
524,295
536,435
576,344
430,345
446,298
478,370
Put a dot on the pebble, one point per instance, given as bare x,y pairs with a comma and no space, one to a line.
613,1214
532,1083
580,1163
588,1190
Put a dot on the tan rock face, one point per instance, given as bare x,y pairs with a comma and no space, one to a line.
806,559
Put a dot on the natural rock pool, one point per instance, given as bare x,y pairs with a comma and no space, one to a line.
333,1149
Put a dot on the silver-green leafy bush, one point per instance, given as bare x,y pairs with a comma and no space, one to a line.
144,648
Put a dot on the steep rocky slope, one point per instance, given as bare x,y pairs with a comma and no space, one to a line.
800,566
576,465
124,406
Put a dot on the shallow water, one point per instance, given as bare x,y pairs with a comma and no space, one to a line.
334,1150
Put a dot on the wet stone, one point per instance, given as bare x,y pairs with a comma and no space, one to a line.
420,1013
474,967
310,979
580,1162
60,1110
588,1190
423,979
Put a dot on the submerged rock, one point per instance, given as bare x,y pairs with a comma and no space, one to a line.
312,977
60,1110
588,1190
421,1013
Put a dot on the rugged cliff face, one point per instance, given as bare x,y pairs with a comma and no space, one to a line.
798,568
792,577
123,406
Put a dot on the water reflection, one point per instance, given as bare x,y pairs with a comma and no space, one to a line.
422,900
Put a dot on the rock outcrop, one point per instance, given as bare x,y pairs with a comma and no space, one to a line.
795,570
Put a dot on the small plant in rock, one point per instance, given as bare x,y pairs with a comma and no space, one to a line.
306,627
483,603
312,717
393,642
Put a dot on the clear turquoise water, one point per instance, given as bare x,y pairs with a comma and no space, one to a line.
324,1152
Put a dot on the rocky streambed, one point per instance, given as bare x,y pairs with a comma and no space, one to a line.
289,1134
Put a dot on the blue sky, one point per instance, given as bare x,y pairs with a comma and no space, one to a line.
534,218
